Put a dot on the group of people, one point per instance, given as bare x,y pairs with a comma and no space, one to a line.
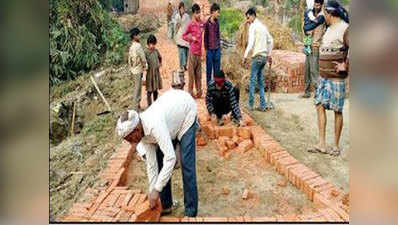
165,133
326,66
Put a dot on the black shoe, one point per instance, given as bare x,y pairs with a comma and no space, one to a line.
166,211
261,109
306,95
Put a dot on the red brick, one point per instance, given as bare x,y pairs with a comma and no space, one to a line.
244,132
307,176
121,188
210,131
225,131
263,219
307,183
245,145
284,163
127,199
236,219
201,141
146,214
169,219
274,156
320,201
230,144
215,219
110,211
341,212
111,199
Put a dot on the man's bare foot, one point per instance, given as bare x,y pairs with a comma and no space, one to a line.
318,149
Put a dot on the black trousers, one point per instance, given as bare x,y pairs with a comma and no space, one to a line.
222,104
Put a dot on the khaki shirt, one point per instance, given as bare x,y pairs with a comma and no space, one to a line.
136,60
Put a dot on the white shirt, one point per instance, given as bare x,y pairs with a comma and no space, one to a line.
168,118
260,40
182,23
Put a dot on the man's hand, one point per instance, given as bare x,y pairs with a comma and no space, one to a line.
194,39
339,67
153,198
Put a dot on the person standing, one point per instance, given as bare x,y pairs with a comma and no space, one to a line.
333,61
314,28
193,35
261,42
153,78
137,63
169,14
212,43
171,118
181,21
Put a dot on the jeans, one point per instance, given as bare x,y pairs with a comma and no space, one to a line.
213,58
311,70
188,167
137,83
256,75
183,56
222,104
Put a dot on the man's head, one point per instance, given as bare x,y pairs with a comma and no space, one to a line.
250,15
135,34
181,8
318,6
219,79
196,12
215,10
129,127
151,42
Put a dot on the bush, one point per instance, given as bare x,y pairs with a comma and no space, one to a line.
230,20
82,35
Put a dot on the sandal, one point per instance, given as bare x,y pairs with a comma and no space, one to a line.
335,151
316,149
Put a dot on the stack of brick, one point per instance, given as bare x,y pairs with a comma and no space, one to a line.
288,68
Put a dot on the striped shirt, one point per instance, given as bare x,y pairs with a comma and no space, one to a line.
227,92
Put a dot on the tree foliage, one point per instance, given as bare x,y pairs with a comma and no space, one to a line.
82,35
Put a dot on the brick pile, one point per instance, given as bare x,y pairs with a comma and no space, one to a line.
288,71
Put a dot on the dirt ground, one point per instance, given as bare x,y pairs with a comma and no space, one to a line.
243,171
293,123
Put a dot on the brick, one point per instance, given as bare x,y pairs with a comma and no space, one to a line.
169,219
215,219
120,200
313,186
132,204
244,132
210,131
146,214
236,219
275,156
307,176
282,182
225,131
320,201
111,199
245,145
284,163
307,189
110,211
263,219
127,199
245,194
123,216
341,212
201,141
230,144
121,188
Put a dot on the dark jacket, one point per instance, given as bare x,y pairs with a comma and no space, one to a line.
227,92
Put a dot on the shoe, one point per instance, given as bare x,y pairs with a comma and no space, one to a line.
261,109
306,95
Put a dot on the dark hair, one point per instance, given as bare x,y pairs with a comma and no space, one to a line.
181,5
319,1
220,74
134,32
195,8
335,9
251,11
214,7
151,40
